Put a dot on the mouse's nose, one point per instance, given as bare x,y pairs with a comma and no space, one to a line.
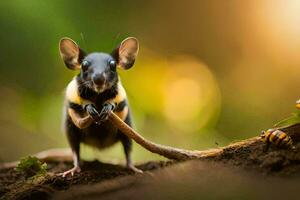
99,79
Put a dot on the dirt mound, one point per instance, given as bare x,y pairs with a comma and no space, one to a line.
250,155
14,185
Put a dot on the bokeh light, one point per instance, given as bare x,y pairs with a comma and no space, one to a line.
191,97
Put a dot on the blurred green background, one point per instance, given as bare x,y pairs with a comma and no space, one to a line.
208,72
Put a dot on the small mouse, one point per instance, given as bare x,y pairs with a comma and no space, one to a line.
93,94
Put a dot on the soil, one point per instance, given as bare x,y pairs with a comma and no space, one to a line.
15,185
243,171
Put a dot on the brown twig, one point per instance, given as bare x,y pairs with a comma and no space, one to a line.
167,151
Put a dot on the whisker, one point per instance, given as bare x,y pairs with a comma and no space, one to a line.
84,41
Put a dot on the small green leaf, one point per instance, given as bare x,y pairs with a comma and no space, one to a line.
294,119
31,166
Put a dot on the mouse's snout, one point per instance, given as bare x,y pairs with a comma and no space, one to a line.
99,79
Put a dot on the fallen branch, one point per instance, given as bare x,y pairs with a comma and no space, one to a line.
167,151
183,154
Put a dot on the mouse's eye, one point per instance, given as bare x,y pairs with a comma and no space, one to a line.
84,65
112,65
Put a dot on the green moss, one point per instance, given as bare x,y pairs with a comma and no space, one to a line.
31,166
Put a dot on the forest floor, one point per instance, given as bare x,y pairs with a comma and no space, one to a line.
239,172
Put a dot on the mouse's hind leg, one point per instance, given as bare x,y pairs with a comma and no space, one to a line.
127,145
73,135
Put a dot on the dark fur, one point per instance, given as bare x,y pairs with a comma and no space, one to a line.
90,94
121,106
104,134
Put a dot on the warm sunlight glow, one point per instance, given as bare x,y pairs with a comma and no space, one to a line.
283,20
191,97
184,98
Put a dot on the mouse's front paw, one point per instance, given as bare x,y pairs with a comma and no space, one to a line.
92,111
105,112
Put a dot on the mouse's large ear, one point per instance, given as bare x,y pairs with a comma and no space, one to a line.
127,52
71,54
